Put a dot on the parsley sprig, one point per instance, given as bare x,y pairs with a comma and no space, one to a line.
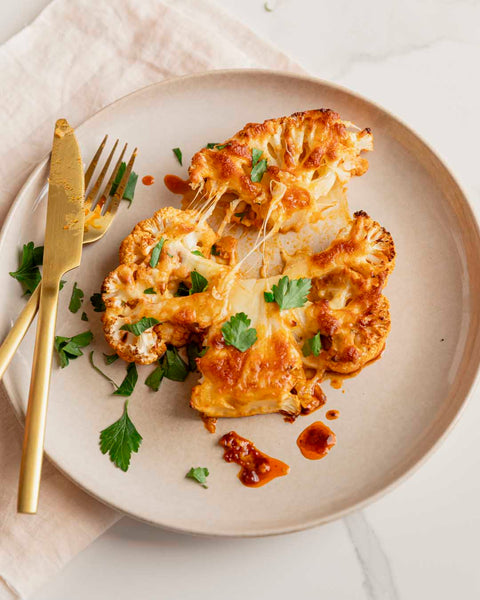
156,253
28,273
312,345
97,302
289,293
199,474
120,439
130,381
238,333
76,299
140,326
69,348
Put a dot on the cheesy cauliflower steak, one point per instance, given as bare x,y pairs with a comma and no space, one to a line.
183,278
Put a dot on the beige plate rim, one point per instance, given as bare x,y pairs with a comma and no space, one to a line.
15,402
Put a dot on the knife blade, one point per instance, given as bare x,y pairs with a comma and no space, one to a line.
62,252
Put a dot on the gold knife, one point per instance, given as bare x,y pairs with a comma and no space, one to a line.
62,252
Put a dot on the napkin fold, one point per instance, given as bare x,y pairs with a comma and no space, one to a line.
75,58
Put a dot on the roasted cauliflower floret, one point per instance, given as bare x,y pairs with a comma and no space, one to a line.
310,158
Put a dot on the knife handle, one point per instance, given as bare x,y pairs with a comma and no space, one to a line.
18,331
35,421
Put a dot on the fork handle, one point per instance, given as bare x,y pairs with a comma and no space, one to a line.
35,421
18,331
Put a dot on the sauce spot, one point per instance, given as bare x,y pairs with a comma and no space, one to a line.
176,184
316,441
257,468
332,414
210,423
148,180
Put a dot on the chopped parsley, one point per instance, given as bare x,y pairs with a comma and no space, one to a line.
197,253
156,253
100,372
199,283
289,293
312,345
258,166
140,326
76,299
131,184
149,291
215,250
84,316
175,368
178,154
130,381
240,215
236,332
97,302
214,146
69,348
155,378
199,474
28,273
120,439
110,358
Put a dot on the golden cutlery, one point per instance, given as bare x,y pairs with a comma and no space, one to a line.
93,209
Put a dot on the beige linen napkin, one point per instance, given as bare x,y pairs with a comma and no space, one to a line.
78,56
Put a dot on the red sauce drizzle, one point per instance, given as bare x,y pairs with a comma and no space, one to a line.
332,414
148,180
257,468
316,441
176,184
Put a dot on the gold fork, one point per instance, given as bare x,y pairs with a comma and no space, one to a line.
99,215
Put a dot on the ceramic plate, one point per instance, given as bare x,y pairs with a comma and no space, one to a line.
391,416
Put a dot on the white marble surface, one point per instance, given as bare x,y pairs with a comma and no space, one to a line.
420,60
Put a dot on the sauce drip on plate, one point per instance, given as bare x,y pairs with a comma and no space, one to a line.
210,423
176,184
332,414
148,180
257,468
316,441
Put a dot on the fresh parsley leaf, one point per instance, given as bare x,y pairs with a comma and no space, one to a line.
28,273
215,250
312,345
110,358
130,381
61,284
131,184
199,474
194,351
199,283
213,145
258,166
240,215
90,358
236,332
197,253
97,302
149,291
182,290
156,253
178,154
175,368
269,297
140,326
120,440
155,378
69,348
290,293
84,316
76,299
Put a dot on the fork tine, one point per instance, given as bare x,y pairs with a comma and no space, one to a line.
94,162
90,201
117,197
106,190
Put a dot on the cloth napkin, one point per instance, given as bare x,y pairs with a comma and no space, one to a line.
76,57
